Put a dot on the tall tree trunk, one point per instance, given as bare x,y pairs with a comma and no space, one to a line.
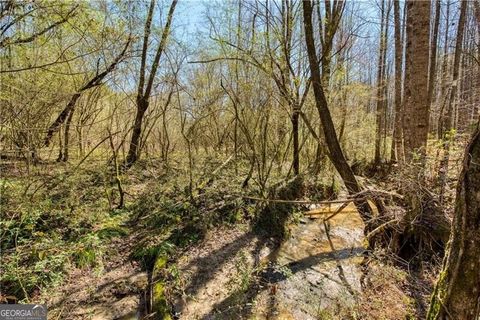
416,115
144,91
287,30
456,66
433,52
457,292
380,112
397,133
133,151
448,134
335,151
327,30
443,93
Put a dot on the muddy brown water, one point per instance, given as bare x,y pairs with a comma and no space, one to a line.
316,269
322,265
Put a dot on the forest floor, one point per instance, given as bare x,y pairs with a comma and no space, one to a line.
234,273
115,292
97,262
315,274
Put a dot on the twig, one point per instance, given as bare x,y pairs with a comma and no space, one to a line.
380,228
343,206
302,201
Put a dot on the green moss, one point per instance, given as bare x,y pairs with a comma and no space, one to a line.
437,296
159,301
111,232
160,264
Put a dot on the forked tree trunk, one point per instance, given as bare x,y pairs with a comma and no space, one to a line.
457,292
144,90
133,151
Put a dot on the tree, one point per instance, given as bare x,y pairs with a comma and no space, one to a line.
457,292
282,69
416,112
397,145
14,13
444,76
381,82
327,27
95,81
276,55
144,91
452,97
335,151
433,52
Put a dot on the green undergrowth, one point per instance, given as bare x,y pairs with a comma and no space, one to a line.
177,214
61,219
274,217
50,224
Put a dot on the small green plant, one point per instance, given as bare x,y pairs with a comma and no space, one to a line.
111,232
244,271
89,252
148,254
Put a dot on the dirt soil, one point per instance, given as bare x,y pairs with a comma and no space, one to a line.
116,292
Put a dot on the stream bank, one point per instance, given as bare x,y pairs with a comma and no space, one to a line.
235,274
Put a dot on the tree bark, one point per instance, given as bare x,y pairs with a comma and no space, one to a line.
417,109
66,139
457,292
327,29
397,133
296,149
